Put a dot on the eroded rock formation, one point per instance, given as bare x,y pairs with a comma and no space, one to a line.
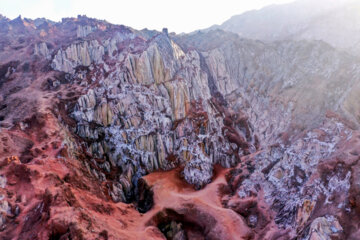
112,133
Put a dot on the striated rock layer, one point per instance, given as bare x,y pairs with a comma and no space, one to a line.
112,133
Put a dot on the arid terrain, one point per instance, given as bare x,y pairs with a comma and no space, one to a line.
108,132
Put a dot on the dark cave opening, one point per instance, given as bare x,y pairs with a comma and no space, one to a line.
176,226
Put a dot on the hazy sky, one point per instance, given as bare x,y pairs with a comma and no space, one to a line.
177,15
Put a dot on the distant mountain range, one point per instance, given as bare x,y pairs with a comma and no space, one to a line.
333,21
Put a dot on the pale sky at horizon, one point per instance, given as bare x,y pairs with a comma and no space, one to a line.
177,16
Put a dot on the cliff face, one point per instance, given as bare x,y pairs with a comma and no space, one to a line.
108,132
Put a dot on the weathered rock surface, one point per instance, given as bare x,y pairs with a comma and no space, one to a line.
112,133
